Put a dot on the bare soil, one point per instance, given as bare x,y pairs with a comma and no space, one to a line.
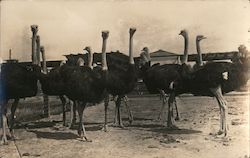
146,137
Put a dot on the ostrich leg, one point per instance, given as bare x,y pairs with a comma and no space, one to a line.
171,121
12,117
130,115
163,97
177,118
73,114
81,128
63,100
106,103
118,120
4,122
223,110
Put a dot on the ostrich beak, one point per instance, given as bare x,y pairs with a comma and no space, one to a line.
204,37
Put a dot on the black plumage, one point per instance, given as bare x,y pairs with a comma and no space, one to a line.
16,81
86,85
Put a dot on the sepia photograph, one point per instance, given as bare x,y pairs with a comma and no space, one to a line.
124,78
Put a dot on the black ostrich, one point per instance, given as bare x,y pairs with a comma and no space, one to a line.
86,85
160,78
52,84
17,81
213,79
121,79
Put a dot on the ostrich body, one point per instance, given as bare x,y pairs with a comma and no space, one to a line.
161,78
86,85
17,82
121,79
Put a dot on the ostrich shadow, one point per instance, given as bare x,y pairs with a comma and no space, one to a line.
165,130
36,125
54,135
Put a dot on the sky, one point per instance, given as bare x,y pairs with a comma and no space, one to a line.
68,26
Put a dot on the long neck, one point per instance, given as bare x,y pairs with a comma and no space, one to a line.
38,50
104,59
90,59
185,57
45,70
33,49
200,61
131,57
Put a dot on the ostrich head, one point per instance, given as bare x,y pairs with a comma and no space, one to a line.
200,37
42,49
34,28
90,56
105,34
144,57
183,33
88,49
80,62
144,62
132,31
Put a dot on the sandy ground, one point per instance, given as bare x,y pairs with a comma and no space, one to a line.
146,137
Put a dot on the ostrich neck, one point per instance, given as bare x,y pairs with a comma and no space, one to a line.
185,57
104,59
199,62
45,70
90,59
131,58
38,50
33,49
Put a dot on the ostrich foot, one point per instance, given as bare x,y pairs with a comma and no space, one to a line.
86,139
83,137
177,118
118,125
131,121
219,134
173,127
104,128
4,140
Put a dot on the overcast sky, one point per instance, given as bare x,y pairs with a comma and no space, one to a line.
69,26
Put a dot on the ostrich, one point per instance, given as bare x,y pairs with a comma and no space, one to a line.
85,84
17,81
213,79
121,80
167,74
53,85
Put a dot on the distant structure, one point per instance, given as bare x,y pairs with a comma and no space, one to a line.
164,57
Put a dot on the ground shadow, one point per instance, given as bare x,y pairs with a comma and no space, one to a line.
138,119
54,135
35,125
146,125
166,130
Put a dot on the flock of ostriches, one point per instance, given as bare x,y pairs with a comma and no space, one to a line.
84,81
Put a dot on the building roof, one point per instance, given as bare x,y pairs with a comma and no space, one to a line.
162,53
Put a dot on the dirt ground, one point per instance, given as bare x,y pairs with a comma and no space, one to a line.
146,137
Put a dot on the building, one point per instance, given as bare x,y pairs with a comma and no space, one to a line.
164,57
